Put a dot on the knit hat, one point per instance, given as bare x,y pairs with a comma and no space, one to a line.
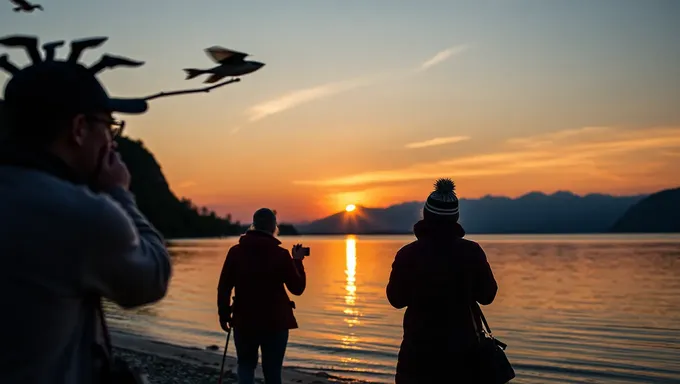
442,204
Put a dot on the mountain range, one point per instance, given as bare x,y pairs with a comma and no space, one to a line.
657,213
532,213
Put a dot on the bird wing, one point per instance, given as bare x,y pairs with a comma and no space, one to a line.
19,2
220,54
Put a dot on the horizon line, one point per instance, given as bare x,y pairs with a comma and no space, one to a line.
495,196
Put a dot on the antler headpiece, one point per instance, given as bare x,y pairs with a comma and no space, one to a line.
30,44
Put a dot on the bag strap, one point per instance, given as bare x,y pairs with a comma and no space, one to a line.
107,349
484,325
478,319
104,328
481,315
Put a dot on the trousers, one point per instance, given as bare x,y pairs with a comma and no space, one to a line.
273,346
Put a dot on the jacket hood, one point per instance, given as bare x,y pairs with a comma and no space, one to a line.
443,230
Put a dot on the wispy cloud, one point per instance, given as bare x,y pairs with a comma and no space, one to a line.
671,153
303,96
300,97
551,137
590,151
442,56
437,141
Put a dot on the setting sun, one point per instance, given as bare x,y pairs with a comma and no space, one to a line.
350,207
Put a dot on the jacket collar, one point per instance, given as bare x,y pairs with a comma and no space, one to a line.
437,231
44,161
254,236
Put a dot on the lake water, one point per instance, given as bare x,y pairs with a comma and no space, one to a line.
572,309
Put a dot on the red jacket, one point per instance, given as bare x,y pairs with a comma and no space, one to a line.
258,268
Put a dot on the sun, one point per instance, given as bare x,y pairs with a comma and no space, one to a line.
350,207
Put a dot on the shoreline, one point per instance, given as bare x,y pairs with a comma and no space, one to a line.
164,362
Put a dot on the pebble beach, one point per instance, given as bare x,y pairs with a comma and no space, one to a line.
169,364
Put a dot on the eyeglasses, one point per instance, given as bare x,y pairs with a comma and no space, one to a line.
115,126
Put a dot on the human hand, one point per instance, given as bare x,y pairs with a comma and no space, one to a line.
298,252
113,172
225,324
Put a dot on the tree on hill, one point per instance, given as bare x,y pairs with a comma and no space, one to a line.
174,217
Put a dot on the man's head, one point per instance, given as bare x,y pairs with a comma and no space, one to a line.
264,220
61,107
442,204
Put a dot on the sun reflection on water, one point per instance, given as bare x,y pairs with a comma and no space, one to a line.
351,313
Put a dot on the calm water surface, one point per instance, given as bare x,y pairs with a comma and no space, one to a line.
573,309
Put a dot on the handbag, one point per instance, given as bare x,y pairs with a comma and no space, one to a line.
492,365
114,370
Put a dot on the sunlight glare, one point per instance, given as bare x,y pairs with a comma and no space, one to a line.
350,311
350,207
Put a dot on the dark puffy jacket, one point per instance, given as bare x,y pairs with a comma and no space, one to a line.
436,278
258,268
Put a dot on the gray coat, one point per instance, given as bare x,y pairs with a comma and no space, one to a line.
59,244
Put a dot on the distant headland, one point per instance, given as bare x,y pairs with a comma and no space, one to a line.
174,217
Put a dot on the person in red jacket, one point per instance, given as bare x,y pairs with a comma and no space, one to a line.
262,313
437,278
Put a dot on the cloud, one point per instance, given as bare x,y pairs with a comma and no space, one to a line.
300,97
588,151
235,130
551,137
303,96
671,153
437,141
442,56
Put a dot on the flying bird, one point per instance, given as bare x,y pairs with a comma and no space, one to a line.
23,5
231,63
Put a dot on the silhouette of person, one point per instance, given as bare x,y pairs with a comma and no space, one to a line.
257,268
70,230
437,278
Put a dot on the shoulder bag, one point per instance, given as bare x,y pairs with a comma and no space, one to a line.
491,362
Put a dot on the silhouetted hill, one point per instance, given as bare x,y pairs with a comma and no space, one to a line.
362,220
174,217
657,213
535,212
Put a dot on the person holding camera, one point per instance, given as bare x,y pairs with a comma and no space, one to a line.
261,315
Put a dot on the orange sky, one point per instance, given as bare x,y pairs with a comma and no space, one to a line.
589,159
358,105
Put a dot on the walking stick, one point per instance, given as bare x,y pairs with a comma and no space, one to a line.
224,356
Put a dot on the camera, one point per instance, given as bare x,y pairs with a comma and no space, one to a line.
305,250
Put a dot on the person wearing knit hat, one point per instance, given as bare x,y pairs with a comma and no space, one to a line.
440,278
442,203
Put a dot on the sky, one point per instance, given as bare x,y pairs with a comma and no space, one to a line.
368,102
